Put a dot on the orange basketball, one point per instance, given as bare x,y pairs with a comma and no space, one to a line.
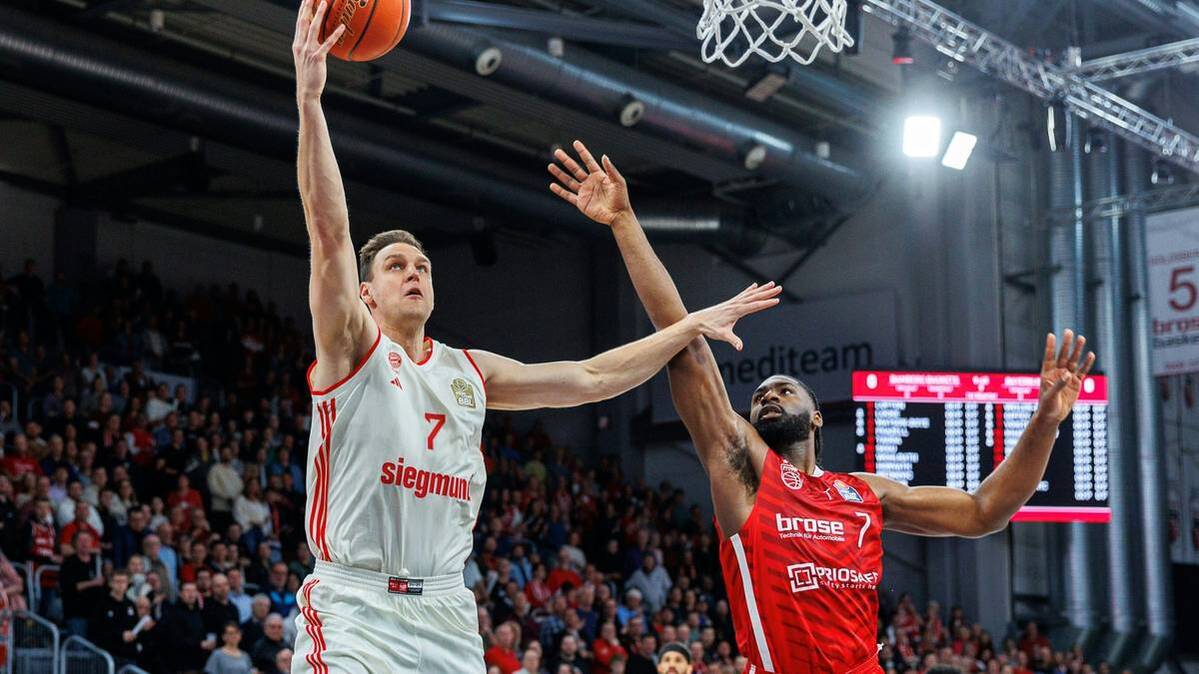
373,27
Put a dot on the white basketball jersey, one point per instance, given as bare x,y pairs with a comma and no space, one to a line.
395,464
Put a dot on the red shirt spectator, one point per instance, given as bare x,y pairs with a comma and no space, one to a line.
1033,640
562,575
606,647
502,654
185,495
69,532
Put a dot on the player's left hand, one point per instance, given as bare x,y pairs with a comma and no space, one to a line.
1062,374
599,192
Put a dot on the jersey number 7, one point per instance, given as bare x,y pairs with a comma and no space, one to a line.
438,420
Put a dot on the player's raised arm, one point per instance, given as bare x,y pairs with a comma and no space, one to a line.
945,511
341,323
728,446
512,385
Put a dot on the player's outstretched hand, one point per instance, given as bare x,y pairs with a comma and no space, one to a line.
309,52
599,192
717,322
1062,374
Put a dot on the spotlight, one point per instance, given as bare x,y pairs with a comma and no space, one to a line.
631,111
556,47
958,152
1096,141
922,136
488,61
901,50
754,157
1163,173
1057,123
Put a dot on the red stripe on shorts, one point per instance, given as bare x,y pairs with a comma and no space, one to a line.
313,626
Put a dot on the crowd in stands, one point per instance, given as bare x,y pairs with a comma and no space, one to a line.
174,513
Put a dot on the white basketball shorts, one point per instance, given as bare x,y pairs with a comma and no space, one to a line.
353,621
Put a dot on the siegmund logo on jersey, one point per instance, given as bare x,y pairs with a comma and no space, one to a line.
463,392
807,576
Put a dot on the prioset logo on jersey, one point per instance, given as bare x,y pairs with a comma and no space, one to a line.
807,576
463,392
809,528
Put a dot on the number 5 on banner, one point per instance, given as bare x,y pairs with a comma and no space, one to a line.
1187,288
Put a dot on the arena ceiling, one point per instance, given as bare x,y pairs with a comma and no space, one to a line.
69,139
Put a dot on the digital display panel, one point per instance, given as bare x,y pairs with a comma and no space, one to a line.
954,428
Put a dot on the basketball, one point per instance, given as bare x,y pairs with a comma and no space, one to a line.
373,27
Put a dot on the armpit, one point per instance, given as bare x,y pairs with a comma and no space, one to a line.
738,458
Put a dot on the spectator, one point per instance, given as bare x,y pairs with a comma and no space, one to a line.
569,655
652,580
80,525
282,662
183,629
263,653
502,653
185,496
113,619
127,540
1033,640
12,587
530,663
644,659
229,658
254,628
252,513
238,596
606,648
81,584
283,600
219,610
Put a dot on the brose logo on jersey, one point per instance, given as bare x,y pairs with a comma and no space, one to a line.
463,392
809,528
807,576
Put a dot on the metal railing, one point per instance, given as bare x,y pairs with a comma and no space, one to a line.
132,669
35,597
80,656
32,644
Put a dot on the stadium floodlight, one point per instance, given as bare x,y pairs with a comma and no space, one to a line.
959,150
922,136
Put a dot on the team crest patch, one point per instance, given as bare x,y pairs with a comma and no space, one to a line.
394,360
791,476
847,492
463,392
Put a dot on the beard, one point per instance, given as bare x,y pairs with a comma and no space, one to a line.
785,430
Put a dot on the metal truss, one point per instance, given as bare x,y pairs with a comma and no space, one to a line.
1149,201
967,43
1141,61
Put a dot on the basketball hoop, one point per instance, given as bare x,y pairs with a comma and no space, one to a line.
732,30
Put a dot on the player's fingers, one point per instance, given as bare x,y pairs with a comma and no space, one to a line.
303,19
1087,365
588,160
1067,342
570,183
332,41
570,164
566,195
610,169
1076,353
730,337
318,21
760,305
1050,350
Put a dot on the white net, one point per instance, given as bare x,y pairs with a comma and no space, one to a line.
734,30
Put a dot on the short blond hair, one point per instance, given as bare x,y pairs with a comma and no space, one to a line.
366,254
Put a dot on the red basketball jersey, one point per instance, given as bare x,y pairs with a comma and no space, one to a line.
802,573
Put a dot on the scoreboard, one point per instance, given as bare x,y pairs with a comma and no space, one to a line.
954,428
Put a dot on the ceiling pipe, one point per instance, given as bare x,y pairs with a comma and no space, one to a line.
606,88
99,71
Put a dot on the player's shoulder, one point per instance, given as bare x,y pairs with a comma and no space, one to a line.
853,487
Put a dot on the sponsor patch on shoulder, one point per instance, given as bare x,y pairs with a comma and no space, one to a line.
847,492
